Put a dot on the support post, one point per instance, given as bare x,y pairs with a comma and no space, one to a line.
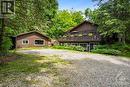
2,34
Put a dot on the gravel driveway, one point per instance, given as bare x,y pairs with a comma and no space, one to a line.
91,70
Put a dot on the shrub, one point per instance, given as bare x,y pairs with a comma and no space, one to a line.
6,46
126,48
101,47
71,47
113,49
107,51
117,46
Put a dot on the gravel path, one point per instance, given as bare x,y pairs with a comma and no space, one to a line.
91,70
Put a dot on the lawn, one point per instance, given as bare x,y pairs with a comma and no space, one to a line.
32,71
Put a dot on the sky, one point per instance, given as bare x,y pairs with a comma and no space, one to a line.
78,5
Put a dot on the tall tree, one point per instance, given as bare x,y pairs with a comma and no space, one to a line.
114,17
33,15
87,12
63,21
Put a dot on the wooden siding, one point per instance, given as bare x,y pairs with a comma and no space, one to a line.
85,27
81,34
31,37
80,37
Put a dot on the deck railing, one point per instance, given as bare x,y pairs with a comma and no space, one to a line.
81,36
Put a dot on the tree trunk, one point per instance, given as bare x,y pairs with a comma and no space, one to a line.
122,38
2,33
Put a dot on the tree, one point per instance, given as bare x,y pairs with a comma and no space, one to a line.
113,17
63,21
33,15
87,12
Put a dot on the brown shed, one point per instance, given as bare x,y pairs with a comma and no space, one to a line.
31,39
84,34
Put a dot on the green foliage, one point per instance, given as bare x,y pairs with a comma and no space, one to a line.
63,21
6,45
113,49
88,12
101,47
107,24
127,48
107,51
71,47
113,17
126,54
121,47
32,15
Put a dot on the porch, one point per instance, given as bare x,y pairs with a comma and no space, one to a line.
87,45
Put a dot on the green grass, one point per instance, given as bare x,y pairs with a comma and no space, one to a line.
29,64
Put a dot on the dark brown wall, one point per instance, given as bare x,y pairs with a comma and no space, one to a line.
86,27
31,37
81,34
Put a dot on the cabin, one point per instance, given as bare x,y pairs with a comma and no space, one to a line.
84,34
30,39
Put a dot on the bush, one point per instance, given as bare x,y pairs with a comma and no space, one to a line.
102,47
113,49
107,51
127,48
6,46
71,47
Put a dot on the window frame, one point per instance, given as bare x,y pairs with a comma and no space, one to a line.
39,44
25,43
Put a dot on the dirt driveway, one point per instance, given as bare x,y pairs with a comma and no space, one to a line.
91,70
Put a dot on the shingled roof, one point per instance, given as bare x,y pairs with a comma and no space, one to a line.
81,24
31,33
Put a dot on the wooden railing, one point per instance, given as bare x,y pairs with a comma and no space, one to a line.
82,32
80,38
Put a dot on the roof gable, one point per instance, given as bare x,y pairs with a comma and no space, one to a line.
32,33
84,22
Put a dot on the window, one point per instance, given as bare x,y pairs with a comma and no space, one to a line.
39,42
25,41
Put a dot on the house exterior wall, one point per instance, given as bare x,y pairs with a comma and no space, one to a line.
82,34
85,35
31,38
